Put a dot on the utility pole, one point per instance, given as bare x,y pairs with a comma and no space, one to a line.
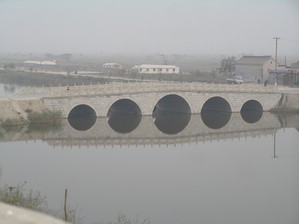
276,39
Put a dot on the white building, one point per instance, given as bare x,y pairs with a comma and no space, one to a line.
112,66
157,69
53,62
254,68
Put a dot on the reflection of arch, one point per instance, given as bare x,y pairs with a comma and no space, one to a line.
215,119
124,106
251,111
82,117
124,123
171,123
172,103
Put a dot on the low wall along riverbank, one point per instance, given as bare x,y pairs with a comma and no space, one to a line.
289,102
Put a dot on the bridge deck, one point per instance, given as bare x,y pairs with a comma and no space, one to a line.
135,87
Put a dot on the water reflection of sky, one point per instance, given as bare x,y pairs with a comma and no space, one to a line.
226,181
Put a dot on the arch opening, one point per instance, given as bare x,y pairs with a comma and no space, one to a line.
251,111
82,117
252,105
124,106
124,116
216,112
172,103
171,114
216,104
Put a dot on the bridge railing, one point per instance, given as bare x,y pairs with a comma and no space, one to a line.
140,87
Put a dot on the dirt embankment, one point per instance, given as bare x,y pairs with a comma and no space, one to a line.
19,108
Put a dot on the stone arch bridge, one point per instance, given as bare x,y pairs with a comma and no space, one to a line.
145,98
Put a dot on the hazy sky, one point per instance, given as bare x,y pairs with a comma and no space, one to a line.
149,26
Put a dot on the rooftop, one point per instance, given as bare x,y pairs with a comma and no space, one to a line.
295,65
156,66
253,60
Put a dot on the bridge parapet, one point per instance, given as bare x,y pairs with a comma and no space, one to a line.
134,87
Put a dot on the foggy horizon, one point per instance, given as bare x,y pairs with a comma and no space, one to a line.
150,27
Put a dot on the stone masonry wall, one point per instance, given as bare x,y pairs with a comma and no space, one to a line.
289,101
147,101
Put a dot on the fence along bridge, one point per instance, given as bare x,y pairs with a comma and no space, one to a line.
144,98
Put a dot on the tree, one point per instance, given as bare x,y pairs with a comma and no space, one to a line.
9,66
227,66
66,56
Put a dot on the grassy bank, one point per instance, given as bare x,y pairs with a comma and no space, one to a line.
47,117
12,122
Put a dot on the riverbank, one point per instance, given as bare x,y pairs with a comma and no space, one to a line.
20,108
290,102
16,215
39,79
55,78
16,112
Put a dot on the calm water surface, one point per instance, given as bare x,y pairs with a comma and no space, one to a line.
8,89
239,171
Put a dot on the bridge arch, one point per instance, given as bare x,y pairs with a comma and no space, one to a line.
252,105
216,103
82,117
172,103
124,106
216,112
124,116
82,110
252,111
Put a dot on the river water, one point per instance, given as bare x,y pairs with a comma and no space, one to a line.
168,169
8,89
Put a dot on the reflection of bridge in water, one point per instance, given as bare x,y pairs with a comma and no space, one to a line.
150,132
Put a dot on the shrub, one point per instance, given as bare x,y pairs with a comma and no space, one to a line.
17,196
47,117
8,123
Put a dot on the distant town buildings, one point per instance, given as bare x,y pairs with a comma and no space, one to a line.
52,62
254,68
156,69
285,74
112,66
